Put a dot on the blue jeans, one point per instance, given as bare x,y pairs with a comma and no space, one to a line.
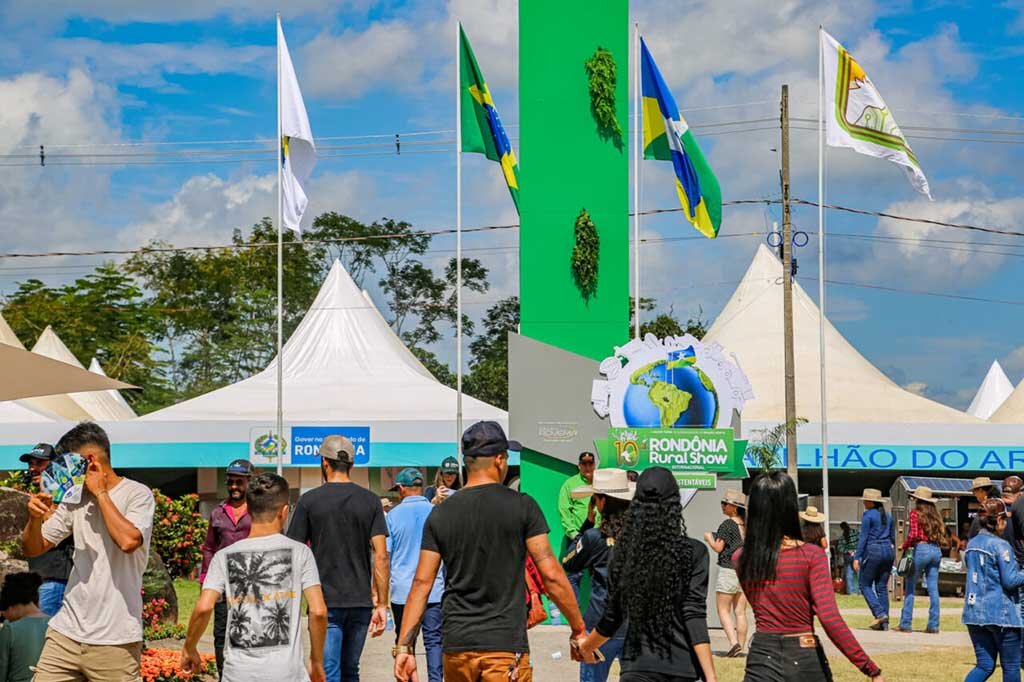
346,635
574,578
598,672
849,575
991,641
875,569
51,596
926,562
430,626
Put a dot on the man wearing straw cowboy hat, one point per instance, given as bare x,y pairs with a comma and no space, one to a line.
983,488
611,492
925,533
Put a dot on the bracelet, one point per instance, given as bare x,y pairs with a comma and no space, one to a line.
400,649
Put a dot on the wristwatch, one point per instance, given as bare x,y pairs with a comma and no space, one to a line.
400,649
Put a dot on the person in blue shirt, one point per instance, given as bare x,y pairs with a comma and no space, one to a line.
405,533
992,598
874,558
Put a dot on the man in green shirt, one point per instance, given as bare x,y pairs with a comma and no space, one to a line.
577,515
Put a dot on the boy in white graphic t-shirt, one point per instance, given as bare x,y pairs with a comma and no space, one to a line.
263,579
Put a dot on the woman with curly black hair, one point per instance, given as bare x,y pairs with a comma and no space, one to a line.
788,583
659,587
22,637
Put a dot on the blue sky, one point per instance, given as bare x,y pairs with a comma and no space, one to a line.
104,72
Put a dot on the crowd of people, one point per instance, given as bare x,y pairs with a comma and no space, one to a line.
462,562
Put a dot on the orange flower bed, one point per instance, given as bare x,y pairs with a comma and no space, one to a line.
163,665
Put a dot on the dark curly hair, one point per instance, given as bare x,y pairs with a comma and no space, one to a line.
650,569
613,516
20,588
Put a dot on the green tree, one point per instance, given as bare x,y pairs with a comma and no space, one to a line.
103,315
665,324
488,376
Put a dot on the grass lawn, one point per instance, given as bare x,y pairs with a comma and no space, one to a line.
938,664
188,595
946,623
856,601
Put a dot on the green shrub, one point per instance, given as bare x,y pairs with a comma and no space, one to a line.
178,533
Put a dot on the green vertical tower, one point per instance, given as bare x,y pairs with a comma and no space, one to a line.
568,163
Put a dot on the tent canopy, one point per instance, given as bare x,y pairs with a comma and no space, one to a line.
343,364
750,327
99,405
1012,409
61,406
27,375
992,393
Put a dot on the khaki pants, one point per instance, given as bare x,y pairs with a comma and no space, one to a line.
486,666
65,660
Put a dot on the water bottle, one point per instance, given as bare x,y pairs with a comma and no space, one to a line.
556,616
390,623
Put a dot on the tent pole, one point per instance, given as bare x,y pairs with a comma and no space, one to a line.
458,246
821,284
280,284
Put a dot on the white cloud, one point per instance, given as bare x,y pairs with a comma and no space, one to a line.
1013,363
348,65
917,387
125,11
207,208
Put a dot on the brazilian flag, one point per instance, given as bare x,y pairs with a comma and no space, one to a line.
482,132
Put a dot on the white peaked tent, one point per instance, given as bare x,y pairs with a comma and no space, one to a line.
96,368
17,412
343,364
750,327
992,393
59,406
1012,409
97,405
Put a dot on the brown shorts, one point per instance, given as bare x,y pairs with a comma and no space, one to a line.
65,660
487,666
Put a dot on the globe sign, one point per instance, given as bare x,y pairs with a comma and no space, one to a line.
670,393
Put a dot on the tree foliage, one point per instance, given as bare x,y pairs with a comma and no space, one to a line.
488,377
666,323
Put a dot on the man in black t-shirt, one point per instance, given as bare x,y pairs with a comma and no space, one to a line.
342,522
483,535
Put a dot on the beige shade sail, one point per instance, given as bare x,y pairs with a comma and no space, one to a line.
28,375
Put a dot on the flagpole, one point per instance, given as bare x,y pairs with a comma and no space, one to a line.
637,112
821,279
458,244
280,283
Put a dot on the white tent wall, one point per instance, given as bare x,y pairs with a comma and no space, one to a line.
750,328
96,368
992,393
97,405
1012,409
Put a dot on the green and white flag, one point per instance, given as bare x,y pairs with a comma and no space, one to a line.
857,117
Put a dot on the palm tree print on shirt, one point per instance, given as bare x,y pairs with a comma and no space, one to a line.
262,594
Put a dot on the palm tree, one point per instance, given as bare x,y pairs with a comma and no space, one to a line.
240,621
253,573
277,623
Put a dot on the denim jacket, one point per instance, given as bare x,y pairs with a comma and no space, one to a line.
992,580
875,534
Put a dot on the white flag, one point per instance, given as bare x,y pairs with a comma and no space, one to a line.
856,115
298,154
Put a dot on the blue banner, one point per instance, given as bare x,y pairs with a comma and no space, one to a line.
306,442
910,457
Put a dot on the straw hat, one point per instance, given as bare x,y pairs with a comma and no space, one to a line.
981,482
923,493
872,495
610,482
735,498
812,515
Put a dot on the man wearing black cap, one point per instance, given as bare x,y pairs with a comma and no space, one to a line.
483,535
54,566
342,521
229,523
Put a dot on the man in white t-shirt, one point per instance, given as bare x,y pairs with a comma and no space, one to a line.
97,633
263,579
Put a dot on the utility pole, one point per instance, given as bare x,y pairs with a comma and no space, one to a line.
787,295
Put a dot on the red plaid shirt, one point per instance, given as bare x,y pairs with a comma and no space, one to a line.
914,534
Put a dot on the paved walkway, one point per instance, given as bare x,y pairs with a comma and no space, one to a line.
550,650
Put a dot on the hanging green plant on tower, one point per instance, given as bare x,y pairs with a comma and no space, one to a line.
585,255
601,74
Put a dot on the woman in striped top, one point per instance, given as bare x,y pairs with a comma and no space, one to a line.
787,582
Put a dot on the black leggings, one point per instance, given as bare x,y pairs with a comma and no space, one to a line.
778,658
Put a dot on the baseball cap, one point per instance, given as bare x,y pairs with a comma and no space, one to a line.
486,439
449,465
338,448
656,484
40,451
407,477
241,467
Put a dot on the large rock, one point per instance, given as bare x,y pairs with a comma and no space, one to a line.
13,513
157,584
9,565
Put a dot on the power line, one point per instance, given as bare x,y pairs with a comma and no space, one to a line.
926,221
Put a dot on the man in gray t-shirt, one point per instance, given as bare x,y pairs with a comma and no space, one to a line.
97,634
